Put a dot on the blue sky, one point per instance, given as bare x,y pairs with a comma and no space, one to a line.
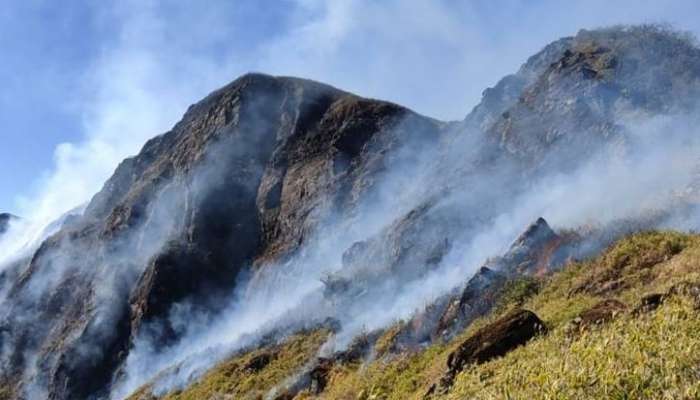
85,83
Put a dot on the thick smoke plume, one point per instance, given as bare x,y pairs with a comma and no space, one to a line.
608,187
481,212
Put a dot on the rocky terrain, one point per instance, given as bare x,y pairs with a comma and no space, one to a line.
287,239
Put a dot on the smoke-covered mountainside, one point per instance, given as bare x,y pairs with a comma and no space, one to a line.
289,240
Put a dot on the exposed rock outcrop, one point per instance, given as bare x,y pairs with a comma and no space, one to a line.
240,181
478,297
491,341
537,251
649,303
578,103
244,181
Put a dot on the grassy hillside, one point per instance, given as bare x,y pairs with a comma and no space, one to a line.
637,355
250,375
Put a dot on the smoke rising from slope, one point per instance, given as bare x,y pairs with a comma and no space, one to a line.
282,295
59,276
129,94
100,287
658,161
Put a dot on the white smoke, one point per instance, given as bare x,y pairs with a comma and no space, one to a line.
136,89
164,56
143,81
606,188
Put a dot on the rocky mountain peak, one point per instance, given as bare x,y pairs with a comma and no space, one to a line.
535,233
275,180
580,91
240,182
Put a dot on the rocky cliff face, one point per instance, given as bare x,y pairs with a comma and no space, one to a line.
251,174
239,181
596,82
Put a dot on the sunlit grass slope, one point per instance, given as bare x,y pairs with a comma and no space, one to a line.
649,355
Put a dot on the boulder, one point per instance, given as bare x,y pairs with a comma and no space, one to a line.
319,375
649,303
494,340
534,252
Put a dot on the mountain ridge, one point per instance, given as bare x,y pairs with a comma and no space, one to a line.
269,175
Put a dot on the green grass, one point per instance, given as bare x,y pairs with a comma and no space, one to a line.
652,356
230,379
516,292
397,378
656,356
6,392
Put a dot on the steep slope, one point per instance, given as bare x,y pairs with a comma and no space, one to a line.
593,87
271,184
643,350
244,176
569,103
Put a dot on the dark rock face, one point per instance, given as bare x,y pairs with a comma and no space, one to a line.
478,297
506,93
319,376
537,251
404,251
603,73
137,205
649,303
494,340
244,180
240,181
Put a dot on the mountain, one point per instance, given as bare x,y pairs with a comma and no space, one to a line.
283,222
5,220
546,338
239,180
